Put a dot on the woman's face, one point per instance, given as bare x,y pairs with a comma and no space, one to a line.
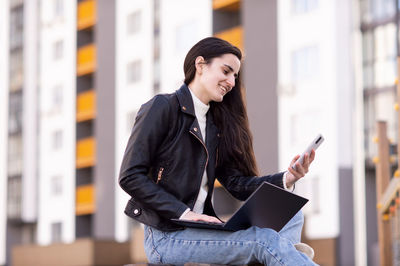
217,78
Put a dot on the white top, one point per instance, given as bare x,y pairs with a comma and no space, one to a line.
201,109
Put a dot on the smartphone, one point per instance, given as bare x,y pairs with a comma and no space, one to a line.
313,145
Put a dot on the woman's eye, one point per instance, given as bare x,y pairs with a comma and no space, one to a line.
226,72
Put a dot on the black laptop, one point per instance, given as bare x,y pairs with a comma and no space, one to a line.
268,207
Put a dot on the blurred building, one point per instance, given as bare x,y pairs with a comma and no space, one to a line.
76,73
4,54
316,95
21,72
379,37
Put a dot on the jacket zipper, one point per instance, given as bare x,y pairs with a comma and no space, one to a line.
205,167
160,172
216,159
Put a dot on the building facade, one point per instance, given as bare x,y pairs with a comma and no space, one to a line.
316,96
56,113
4,42
379,31
77,74
22,140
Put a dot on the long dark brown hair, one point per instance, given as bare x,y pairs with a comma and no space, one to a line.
230,115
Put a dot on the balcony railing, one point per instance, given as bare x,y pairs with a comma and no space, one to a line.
85,200
86,61
86,14
86,106
233,35
86,153
229,5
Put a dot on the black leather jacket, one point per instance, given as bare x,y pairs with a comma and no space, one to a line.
165,159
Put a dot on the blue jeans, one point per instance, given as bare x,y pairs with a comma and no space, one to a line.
253,245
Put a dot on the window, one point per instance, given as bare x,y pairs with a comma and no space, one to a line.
305,64
57,99
134,71
385,65
14,155
376,9
58,48
130,120
16,70
382,8
134,22
303,6
15,114
57,140
368,59
56,185
56,232
14,197
16,27
58,8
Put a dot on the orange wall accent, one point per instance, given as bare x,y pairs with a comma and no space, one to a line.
86,106
233,35
231,5
86,60
86,14
85,200
86,152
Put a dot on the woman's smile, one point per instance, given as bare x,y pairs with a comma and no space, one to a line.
224,90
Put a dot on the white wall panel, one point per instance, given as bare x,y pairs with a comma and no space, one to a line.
61,162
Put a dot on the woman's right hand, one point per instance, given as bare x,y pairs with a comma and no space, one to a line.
192,216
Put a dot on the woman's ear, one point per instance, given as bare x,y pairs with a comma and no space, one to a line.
199,64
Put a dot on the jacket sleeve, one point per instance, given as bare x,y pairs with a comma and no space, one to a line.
241,186
150,129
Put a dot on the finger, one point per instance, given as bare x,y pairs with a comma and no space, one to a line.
294,159
306,160
294,173
306,163
300,168
312,155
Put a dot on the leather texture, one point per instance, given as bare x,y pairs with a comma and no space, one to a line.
165,159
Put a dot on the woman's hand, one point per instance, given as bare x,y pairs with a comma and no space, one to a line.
300,169
192,216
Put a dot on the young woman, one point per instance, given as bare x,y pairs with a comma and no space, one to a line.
179,144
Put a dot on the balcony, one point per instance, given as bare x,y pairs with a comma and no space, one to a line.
86,60
14,197
233,35
86,153
85,200
86,14
86,106
226,5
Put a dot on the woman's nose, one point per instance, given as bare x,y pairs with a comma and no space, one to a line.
231,81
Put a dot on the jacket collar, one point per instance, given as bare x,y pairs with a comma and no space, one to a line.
186,105
185,100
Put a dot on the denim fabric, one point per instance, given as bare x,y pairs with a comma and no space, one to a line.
254,245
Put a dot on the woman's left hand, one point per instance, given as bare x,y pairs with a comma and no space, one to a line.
300,169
